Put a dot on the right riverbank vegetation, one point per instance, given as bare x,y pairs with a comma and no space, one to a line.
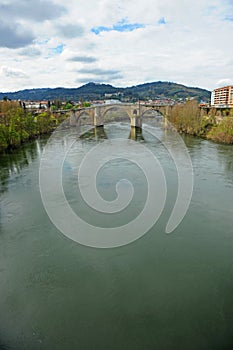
18,125
190,119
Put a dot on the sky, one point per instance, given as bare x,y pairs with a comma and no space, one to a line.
45,43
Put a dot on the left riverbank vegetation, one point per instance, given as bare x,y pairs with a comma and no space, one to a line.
189,118
17,125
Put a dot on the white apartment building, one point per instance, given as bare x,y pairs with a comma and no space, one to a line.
222,97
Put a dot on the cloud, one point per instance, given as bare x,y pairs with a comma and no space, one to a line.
103,80
225,82
33,10
42,42
14,37
70,30
99,75
121,26
99,71
156,40
18,31
12,72
30,52
209,10
82,59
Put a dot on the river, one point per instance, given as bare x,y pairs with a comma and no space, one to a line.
163,291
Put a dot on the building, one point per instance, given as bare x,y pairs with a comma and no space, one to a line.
222,97
111,102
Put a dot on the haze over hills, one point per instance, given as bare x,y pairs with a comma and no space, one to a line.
93,91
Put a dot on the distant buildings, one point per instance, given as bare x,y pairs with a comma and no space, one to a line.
35,104
222,97
111,102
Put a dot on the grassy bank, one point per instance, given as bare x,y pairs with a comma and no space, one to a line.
187,118
18,126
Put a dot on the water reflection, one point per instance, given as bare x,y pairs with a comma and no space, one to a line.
225,158
136,134
204,153
14,161
97,133
100,133
3,347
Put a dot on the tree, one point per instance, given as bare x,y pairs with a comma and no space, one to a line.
68,105
86,104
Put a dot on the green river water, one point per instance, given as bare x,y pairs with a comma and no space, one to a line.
161,292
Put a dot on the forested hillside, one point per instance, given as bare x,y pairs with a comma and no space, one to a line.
92,91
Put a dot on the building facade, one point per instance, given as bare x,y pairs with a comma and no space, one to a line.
222,97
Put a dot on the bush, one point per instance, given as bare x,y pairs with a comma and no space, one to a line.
223,132
187,118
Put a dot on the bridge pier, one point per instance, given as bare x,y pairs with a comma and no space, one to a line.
73,118
135,133
136,122
98,117
99,132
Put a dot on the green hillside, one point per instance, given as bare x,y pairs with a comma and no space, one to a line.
93,91
168,90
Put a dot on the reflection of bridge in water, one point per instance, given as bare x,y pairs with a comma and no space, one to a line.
99,133
136,113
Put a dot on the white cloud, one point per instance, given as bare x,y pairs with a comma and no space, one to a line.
70,30
14,77
30,52
225,82
186,42
12,72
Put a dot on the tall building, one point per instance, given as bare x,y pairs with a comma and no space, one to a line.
222,97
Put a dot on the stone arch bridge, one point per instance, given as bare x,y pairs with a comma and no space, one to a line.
135,113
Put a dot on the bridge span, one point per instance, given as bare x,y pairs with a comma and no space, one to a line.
135,112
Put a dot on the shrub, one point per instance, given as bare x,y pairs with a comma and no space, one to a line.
223,132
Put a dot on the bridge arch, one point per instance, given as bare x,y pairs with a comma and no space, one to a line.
117,107
83,113
157,111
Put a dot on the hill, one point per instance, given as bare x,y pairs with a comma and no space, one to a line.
168,90
93,91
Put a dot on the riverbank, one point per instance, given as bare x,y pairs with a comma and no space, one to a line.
18,126
187,119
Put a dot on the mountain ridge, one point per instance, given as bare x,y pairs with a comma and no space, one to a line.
92,91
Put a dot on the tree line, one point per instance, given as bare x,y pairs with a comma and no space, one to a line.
17,125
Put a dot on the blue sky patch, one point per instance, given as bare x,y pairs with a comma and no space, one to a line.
229,18
162,20
121,26
58,50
